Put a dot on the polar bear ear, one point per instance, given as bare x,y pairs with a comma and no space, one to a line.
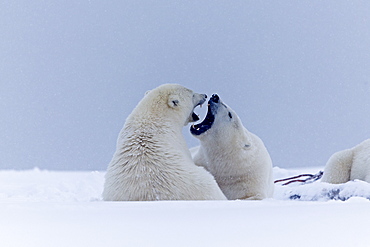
173,101
147,92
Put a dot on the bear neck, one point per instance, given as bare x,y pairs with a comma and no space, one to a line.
224,147
145,131
149,127
145,140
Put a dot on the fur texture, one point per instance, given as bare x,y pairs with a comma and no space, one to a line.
152,161
236,157
349,164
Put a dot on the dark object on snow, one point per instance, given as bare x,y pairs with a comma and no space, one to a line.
311,178
295,197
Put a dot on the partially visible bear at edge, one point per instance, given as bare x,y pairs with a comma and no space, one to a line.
349,164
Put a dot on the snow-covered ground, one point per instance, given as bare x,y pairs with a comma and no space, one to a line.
47,208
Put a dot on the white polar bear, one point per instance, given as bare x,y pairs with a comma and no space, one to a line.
349,164
236,158
152,161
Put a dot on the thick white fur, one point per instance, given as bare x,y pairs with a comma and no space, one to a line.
349,164
237,158
152,161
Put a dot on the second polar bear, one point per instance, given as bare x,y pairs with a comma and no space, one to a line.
152,161
236,157
349,164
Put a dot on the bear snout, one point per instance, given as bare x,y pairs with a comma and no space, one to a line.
202,99
215,98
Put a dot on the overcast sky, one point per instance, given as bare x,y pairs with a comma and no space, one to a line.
296,72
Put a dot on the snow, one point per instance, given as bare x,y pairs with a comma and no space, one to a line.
47,208
317,191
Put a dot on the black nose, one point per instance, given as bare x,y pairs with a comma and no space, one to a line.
215,98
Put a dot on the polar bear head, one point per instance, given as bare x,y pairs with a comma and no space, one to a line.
171,103
220,126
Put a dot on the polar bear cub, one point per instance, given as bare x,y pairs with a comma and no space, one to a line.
152,161
236,158
349,164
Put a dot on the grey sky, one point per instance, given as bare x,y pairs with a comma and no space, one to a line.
297,73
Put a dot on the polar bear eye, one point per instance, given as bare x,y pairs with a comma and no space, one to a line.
230,116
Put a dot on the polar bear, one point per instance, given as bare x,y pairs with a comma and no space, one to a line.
237,158
349,164
152,161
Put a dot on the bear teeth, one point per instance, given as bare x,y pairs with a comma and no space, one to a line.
194,127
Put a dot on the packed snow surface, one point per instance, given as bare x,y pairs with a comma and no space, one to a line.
47,208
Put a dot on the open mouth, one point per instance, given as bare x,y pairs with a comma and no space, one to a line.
206,124
194,117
